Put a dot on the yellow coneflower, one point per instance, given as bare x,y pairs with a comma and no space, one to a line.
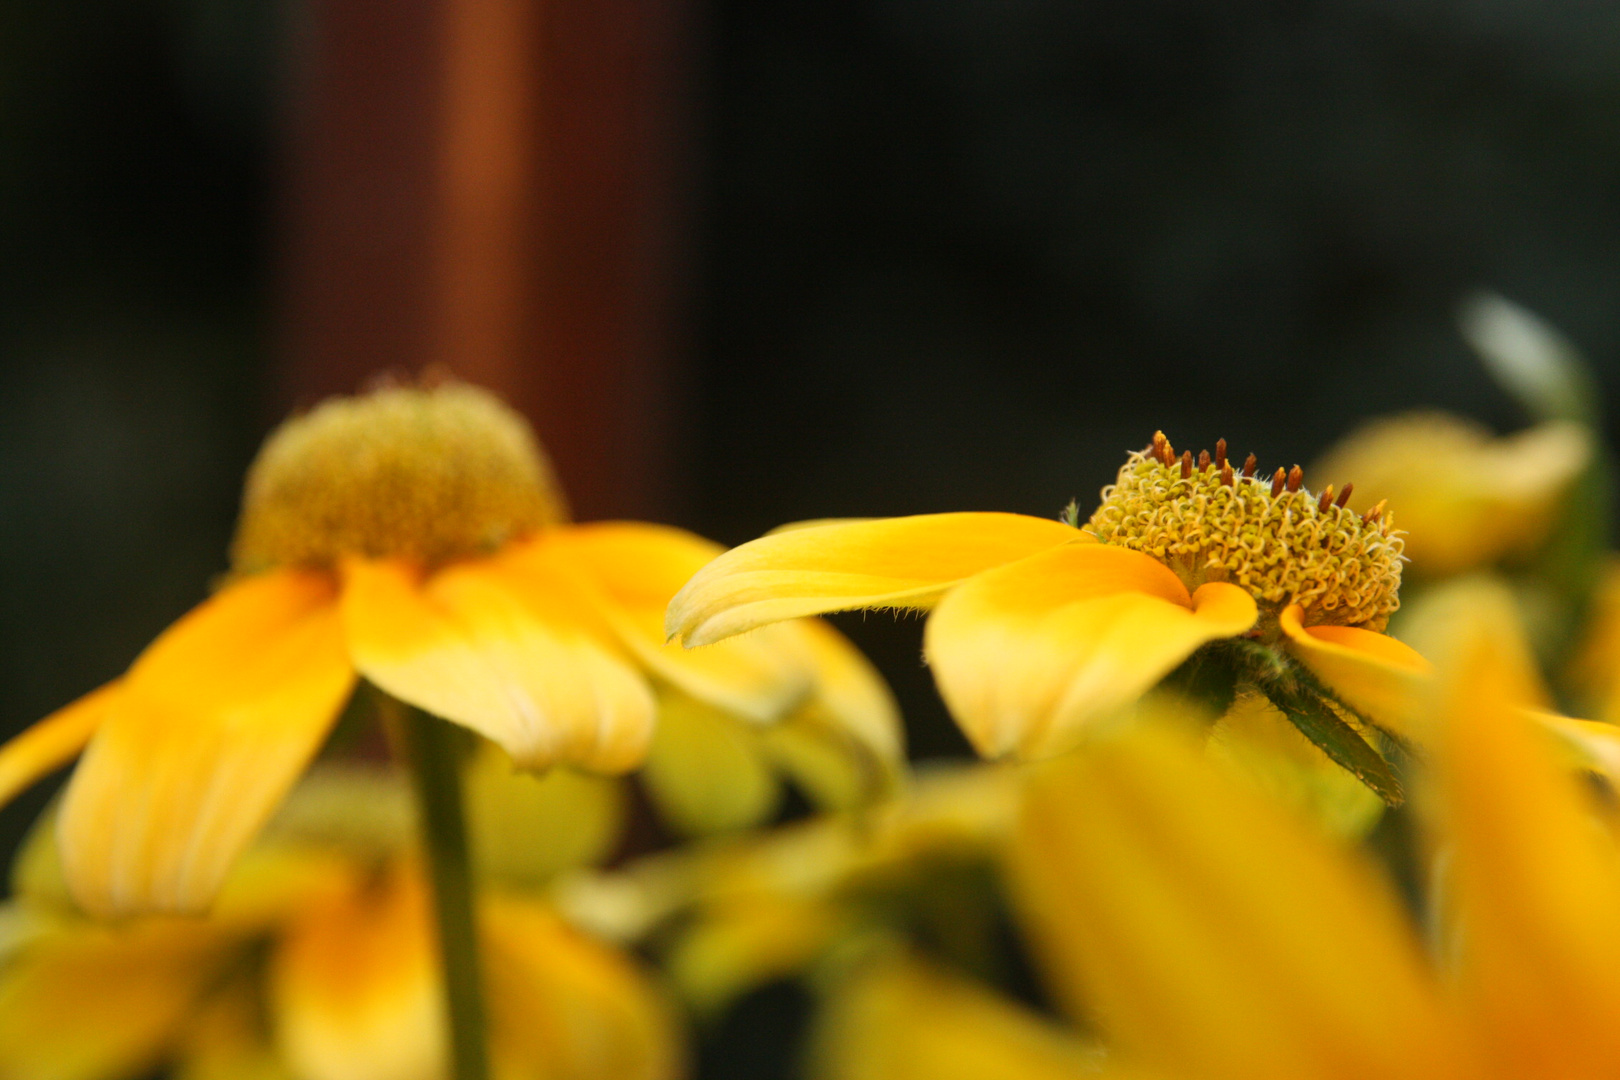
1039,628
413,536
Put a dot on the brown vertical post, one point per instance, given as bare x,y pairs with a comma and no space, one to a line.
488,184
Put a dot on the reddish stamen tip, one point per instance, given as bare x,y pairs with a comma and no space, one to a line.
1326,500
1375,513
1277,482
1203,460
1296,478
1226,473
1249,465
1220,453
1344,496
1186,464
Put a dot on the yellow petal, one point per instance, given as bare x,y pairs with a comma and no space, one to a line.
354,986
1211,933
526,829
227,1039
739,946
88,1002
903,562
52,743
901,1020
707,771
210,728
1377,675
467,647
1028,654
562,1005
1533,877
625,573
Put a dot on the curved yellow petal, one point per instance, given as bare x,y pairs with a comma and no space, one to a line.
354,986
706,771
1212,934
563,1005
526,829
899,1019
466,646
88,1002
1027,654
208,731
1532,877
53,742
902,562
625,573
1376,674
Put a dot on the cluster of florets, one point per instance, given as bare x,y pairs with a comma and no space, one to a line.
430,473
1210,521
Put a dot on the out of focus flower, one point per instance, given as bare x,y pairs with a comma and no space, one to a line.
1210,935
732,916
1466,498
412,536
1039,628
317,963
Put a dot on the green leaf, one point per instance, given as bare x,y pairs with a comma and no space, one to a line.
1530,359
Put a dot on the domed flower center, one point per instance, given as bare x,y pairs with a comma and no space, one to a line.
1209,521
428,473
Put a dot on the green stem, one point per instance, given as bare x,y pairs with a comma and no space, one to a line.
433,754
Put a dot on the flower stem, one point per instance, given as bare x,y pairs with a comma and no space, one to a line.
431,750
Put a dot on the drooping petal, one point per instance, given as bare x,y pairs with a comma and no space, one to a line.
1532,875
211,727
902,1020
463,645
1026,655
53,742
1375,674
354,985
624,574
87,1002
903,562
562,1005
1211,933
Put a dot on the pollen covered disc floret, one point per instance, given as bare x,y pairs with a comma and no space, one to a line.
429,473
1209,521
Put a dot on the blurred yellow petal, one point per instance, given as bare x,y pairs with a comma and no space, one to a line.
1464,497
900,1020
1595,668
1028,654
1210,933
742,945
93,1002
354,986
564,1007
53,742
211,727
1375,674
525,829
626,573
852,695
1533,877
226,1039
1258,743
463,646
706,771
886,563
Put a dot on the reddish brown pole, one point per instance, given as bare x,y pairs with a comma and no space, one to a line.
487,184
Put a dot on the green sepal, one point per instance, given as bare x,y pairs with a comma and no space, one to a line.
1337,731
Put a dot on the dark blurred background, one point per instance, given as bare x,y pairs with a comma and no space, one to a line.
750,262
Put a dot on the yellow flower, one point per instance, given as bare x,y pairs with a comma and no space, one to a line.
318,962
1212,936
1466,498
412,536
1038,629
